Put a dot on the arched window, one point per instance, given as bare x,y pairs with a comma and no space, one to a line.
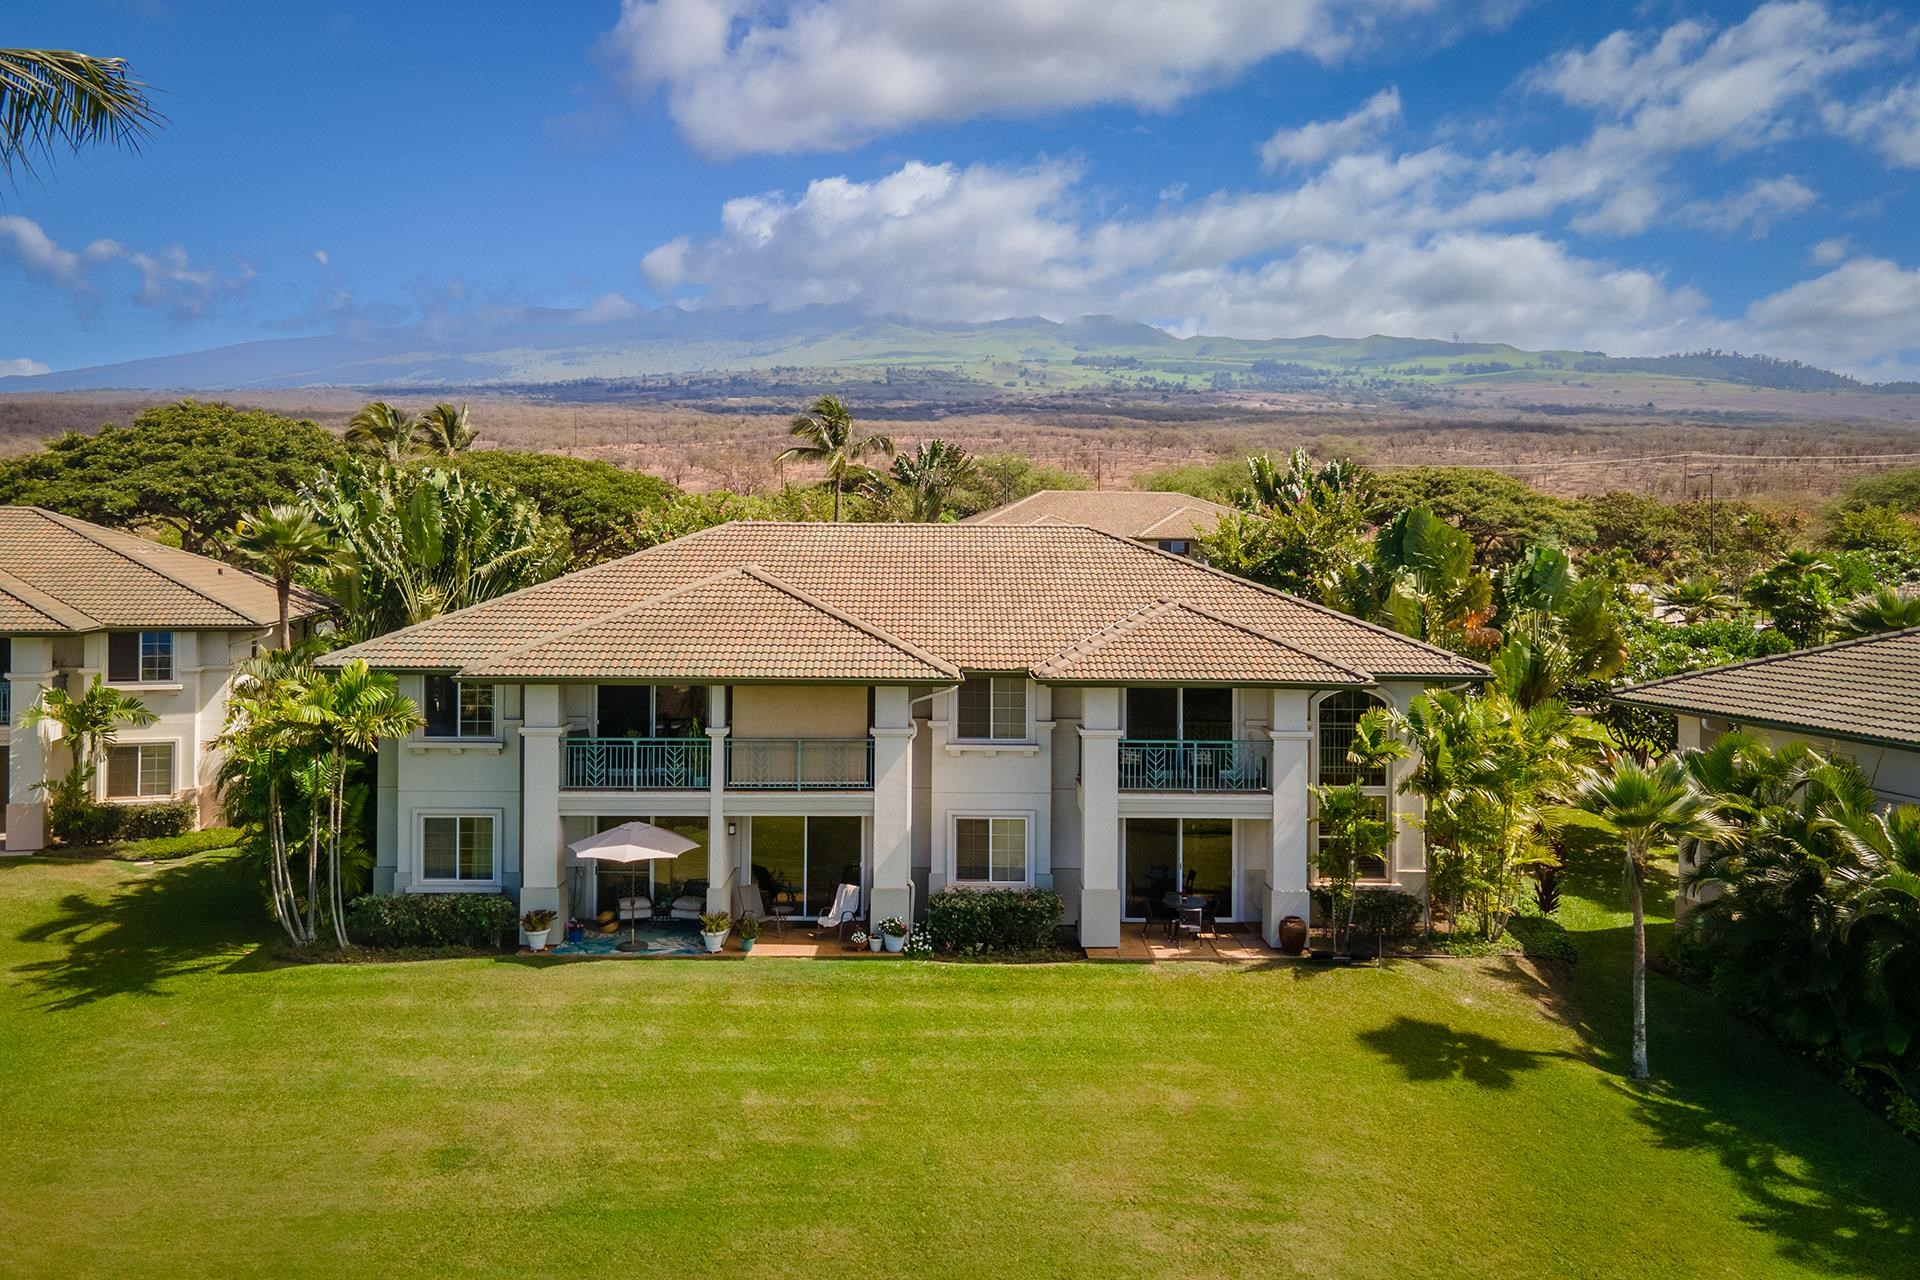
1336,718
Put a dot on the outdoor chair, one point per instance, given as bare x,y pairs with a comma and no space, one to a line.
748,902
845,908
691,903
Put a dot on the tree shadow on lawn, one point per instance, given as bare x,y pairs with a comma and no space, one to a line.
178,919
1432,1051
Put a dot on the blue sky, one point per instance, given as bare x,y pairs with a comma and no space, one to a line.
1630,177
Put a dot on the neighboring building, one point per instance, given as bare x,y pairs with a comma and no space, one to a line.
1858,698
167,626
902,707
1169,521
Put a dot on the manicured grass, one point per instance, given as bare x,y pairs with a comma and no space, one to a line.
175,1103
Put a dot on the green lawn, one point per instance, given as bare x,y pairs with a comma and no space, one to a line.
173,1103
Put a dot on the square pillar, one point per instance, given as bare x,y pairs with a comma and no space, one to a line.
1100,896
543,880
722,874
892,890
27,753
1288,868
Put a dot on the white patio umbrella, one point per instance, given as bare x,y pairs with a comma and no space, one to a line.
633,843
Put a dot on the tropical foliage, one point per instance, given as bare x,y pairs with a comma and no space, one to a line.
284,542
829,436
54,100
88,724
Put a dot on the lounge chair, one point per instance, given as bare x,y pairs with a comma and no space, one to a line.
748,902
691,903
845,908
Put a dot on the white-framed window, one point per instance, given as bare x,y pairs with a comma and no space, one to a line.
992,849
460,847
458,710
1335,720
993,708
140,657
139,770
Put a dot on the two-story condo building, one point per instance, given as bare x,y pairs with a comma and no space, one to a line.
165,625
901,707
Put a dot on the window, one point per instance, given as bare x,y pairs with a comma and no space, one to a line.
137,770
457,847
457,710
994,708
651,711
990,850
1185,715
1339,716
1167,861
140,657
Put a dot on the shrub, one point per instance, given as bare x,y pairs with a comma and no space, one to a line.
1542,937
401,920
181,845
981,921
1386,913
84,823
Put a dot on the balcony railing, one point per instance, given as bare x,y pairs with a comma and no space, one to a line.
6,701
800,764
637,764
1148,764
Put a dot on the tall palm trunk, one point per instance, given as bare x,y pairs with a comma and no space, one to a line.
1636,898
284,587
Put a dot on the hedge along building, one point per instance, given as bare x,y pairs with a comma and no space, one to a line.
905,708
164,625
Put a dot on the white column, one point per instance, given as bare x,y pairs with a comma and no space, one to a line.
892,730
1409,853
722,874
543,880
1286,892
1100,897
26,748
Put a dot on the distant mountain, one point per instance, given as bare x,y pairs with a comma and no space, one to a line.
535,346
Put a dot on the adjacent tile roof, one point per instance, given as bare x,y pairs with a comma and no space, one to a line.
741,624
1130,513
61,574
1172,642
1865,690
979,597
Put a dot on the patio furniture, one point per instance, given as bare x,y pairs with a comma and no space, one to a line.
691,903
632,843
748,902
1192,923
845,908
639,907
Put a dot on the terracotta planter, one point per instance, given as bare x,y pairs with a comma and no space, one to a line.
1293,935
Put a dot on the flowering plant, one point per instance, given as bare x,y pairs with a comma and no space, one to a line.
859,938
894,927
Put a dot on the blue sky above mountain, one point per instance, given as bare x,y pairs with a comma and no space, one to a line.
1638,178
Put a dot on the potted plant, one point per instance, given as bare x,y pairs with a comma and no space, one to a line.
749,927
893,932
713,929
874,939
537,924
575,931
859,939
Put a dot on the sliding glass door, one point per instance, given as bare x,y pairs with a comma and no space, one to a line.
1167,859
799,862
661,880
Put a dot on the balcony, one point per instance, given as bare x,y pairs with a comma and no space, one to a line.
1238,765
800,764
636,764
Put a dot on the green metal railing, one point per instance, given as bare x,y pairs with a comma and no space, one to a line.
637,764
1154,764
800,764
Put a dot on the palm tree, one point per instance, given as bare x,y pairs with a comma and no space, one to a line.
1699,599
282,540
1885,610
929,475
1645,809
830,437
443,430
379,428
53,98
90,723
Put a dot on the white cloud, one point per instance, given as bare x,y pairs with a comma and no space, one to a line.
1752,209
752,76
1889,123
1862,317
1832,250
1311,143
322,257
607,308
168,279
22,368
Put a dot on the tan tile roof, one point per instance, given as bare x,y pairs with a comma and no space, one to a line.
62,574
1129,513
980,597
739,625
1864,690
1172,642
